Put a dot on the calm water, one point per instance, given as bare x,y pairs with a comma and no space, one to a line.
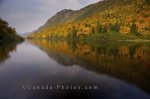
42,69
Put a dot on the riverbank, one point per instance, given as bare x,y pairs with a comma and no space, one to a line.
106,37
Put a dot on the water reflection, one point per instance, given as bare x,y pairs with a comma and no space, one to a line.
127,61
5,49
120,70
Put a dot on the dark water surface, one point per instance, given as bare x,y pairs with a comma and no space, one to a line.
42,69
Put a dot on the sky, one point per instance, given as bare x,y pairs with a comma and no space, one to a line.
29,15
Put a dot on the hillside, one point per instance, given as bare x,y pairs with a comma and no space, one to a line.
8,33
59,18
67,15
115,19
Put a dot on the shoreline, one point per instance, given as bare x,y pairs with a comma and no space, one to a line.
136,40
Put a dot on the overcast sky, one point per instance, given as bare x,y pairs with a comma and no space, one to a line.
28,15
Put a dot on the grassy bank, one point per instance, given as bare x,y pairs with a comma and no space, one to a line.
106,37
114,36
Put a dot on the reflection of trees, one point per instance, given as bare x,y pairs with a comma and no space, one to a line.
5,49
127,61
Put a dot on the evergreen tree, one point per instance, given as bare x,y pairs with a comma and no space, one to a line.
115,27
104,30
93,30
86,25
74,33
99,28
134,29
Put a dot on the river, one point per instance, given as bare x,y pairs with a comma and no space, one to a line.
51,69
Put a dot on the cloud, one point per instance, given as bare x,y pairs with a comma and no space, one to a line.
28,15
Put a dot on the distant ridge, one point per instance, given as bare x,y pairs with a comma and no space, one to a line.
122,16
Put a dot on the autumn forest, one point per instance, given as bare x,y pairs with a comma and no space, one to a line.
98,50
105,20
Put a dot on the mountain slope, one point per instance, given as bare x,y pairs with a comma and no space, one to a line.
60,17
119,16
67,15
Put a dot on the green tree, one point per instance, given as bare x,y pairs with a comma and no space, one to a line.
117,27
104,30
114,27
73,33
7,33
134,29
99,28
93,30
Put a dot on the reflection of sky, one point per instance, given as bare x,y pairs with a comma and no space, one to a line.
27,15
29,62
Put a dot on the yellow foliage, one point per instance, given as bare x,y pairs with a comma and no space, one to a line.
125,30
